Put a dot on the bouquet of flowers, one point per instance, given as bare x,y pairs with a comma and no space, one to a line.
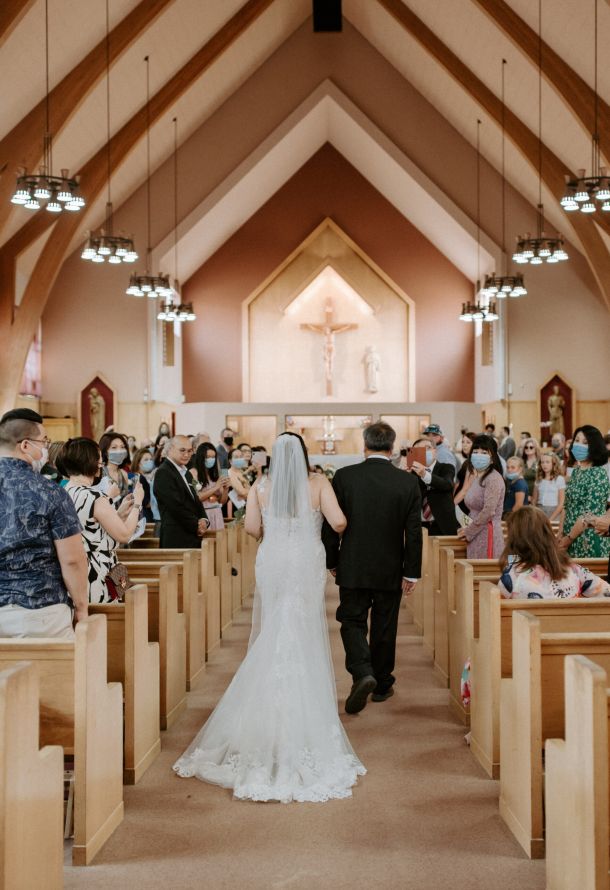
329,471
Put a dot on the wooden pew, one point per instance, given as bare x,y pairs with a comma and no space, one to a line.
532,710
234,560
134,662
31,789
442,573
223,570
191,602
464,622
491,654
576,783
83,713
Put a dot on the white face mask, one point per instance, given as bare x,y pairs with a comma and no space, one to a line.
38,464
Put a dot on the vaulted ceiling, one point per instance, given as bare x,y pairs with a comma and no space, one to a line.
203,52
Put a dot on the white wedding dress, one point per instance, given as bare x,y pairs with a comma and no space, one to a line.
276,733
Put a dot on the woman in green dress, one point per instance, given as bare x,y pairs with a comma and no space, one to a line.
587,494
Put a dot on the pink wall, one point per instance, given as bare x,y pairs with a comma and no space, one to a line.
327,185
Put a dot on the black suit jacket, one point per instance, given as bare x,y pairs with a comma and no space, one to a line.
440,497
383,539
180,511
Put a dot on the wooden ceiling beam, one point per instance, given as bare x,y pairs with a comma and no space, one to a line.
577,94
15,338
11,13
554,170
22,147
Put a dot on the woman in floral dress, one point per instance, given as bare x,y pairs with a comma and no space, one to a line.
484,499
587,494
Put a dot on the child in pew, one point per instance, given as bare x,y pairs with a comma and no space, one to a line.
534,567
517,493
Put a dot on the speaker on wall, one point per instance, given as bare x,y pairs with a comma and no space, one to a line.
327,15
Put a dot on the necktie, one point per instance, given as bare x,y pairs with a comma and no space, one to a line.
426,511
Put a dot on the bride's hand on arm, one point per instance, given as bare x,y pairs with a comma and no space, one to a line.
330,507
253,522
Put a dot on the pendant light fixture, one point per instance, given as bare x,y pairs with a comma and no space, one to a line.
148,284
590,193
169,311
505,285
56,193
479,309
543,247
105,245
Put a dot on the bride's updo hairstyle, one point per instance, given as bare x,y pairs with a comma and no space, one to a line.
289,474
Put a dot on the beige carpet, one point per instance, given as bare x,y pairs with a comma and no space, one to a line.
424,816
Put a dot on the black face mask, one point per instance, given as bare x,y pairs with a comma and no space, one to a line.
228,440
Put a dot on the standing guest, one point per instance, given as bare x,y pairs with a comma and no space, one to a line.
260,460
484,499
507,446
163,432
523,436
103,527
531,456
587,495
43,567
464,474
50,471
115,458
246,451
534,567
237,474
132,446
143,465
517,494
558,442
444,454
490,430
376,561
607,444
550,488
224,446
568,460
214,491
436,489
183,517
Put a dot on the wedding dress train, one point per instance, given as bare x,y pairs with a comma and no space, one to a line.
276,733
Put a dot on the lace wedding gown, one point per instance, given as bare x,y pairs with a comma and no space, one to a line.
276,733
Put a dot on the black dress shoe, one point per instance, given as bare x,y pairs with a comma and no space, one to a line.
382,696
359,694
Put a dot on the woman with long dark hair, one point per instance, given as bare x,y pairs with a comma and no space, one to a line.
214,489
587,496
484,499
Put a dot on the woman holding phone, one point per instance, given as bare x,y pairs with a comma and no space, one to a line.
214,489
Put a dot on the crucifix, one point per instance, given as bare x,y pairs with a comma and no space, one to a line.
329,330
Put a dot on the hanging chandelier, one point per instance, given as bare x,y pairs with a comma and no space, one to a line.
482,309
148,284
590,193
105,245
170,311
503,286
56,192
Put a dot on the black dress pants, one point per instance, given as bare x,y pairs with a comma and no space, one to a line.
377,657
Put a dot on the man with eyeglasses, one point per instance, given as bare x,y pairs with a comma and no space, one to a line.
43,565
183,518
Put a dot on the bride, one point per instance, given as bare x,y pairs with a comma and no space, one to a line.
276,733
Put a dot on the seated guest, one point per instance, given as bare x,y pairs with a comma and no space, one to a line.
43,568
444,454
517,494
550,488
183,516
535,567
214,490
143,465
436,489
103,527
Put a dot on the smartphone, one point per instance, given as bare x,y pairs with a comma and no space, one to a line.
418,455
259,459
224,473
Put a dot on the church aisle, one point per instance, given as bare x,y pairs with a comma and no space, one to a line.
424,816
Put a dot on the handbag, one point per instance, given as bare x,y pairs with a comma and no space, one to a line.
117,581
490,540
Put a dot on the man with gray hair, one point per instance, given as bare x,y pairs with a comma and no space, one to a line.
43,565
183,517
377,559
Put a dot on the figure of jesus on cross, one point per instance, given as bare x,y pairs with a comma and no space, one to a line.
329,330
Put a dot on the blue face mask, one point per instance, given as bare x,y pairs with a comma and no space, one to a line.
240,463
147,466
429,457
580,451
117,457
210,462
512,476
480,461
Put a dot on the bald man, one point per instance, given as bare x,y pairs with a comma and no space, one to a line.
183,519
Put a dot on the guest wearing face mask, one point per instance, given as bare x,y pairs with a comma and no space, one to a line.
143,465
115,457
587,495
237,475
224,446
484,499
214,491
517,494
436,488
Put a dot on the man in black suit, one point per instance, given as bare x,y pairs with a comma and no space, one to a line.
436,489
375,562
183,519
